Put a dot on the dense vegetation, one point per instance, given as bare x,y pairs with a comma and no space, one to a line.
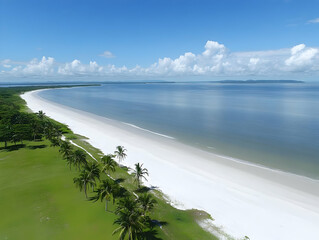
132,206
17,126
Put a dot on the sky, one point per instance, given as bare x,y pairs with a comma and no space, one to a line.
46,40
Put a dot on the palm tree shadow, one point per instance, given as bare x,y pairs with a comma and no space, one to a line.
13,147
145,189
37,146
151,235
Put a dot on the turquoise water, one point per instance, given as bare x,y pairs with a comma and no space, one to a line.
275,125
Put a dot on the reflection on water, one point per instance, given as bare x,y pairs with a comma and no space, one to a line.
276,125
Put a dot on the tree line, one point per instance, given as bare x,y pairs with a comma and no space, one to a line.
132,210
17,126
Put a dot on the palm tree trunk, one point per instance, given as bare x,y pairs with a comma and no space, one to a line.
85,191
105,205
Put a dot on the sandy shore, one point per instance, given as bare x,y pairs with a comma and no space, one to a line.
242,198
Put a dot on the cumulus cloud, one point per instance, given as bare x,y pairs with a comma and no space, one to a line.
43,67
76,67
35,67
214,61
302,58
316,20
107,54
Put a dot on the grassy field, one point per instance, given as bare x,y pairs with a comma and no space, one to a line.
39,200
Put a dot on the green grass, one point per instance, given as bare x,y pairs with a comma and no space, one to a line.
38,199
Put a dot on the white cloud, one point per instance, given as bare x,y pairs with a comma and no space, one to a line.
213,48
297,49
215,61
77,68
316,20
35,67
302,58
107,54
5,63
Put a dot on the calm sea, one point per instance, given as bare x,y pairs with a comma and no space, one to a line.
275,125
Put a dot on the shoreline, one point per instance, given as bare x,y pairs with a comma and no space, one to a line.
244,199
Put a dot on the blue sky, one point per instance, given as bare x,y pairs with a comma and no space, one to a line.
142,32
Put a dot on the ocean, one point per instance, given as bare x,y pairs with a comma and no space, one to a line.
274,125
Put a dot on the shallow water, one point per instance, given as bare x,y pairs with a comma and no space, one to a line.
275,125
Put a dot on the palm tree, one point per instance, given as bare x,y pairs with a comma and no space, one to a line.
79,158
55,142
127,203
93,170
139,173
109,163
83,182
57,132
66,149
6,132
36,127
119,191
51,131
48,129
131,225
130,220
70,160
120,153
147,202
41,115
104,192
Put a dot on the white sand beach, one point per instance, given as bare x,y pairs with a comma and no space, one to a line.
244,199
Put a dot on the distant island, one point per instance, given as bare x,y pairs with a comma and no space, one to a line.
257,81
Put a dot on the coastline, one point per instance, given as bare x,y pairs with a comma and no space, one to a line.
243,199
